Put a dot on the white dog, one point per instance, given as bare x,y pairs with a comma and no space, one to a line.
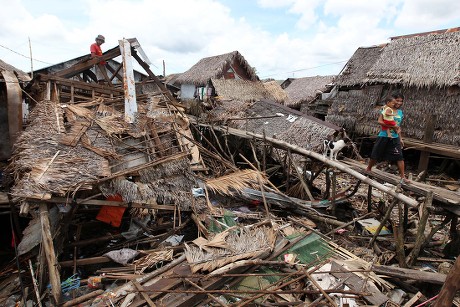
334,147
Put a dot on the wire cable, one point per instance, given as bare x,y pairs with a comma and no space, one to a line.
27,57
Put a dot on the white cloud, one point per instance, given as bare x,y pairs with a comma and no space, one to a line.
281,38
426,15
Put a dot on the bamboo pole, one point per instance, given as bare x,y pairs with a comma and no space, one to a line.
421,230
398,229
382,223
48,245
304,185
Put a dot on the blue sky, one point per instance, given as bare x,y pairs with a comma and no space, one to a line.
280,38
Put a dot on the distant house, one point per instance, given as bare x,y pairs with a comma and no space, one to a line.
195,82
12,82
303,91
425,68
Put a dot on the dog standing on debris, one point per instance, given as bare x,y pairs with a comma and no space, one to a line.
334,147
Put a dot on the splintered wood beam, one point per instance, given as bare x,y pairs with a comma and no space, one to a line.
85,261
115,72
403,273
81,67
47,240
104,73
81,84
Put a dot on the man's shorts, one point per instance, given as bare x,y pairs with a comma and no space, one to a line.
387,149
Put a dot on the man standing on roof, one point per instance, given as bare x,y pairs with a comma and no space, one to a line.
95,48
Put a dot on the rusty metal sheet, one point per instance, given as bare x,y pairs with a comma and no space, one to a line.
14,106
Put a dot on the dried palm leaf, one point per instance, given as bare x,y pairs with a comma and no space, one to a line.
236,181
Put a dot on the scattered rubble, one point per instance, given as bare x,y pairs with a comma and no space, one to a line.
237,207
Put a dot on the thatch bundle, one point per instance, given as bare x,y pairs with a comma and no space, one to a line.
276,91
215,67
229,246
237,181
57,156
242,90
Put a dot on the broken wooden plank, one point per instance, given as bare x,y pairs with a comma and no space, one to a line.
85,261
150,204
82,298
403,273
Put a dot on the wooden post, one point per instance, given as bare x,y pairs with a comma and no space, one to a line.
334,192
421,230
427,138
369,199
450,286
304,184
47,240
399,237
328,184
384,220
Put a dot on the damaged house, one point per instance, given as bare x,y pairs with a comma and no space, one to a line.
304,92
130,201
195,82
424,68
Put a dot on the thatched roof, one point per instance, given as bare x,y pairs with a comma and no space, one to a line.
306,89
429,60
85,152
22,76
276,90
215,67
243,90
355,71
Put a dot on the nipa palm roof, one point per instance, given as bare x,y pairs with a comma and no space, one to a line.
305,89
430,60
214,67
355,71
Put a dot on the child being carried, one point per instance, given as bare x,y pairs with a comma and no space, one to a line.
389,111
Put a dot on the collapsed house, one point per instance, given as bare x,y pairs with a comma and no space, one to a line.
130,201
